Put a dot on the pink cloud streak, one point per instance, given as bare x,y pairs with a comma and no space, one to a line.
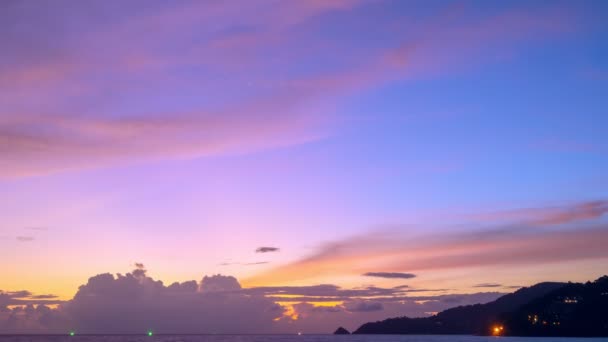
507,244
285,109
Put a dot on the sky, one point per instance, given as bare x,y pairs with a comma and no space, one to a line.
273,166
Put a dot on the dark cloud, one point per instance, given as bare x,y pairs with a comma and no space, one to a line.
390,275
19,294
323,290
267,249
44,296
25,297
488,285
363,306
426,290
332,293
25,238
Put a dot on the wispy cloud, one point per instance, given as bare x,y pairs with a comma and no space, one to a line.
75,139
551,215
488,285
40,229
551,236
25,238
255,102
390,275
240,123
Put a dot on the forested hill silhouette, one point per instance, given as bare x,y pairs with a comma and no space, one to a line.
572,310
545,309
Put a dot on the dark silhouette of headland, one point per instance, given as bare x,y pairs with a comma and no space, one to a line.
544,309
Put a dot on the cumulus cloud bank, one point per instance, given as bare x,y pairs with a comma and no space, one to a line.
135,303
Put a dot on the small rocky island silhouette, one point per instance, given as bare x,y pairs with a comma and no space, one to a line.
341,331
544,309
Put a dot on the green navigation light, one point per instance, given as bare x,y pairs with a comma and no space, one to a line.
72,333
149,333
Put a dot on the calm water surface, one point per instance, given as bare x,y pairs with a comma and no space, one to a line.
291,338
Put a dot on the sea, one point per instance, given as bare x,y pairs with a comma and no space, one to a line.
288,338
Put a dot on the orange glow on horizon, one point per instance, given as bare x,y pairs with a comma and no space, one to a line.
316,304
291,313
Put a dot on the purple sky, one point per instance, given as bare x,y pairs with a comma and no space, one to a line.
316,156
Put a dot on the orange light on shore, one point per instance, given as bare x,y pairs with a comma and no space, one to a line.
497,330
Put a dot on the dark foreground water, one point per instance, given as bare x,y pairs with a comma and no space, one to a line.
291,338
